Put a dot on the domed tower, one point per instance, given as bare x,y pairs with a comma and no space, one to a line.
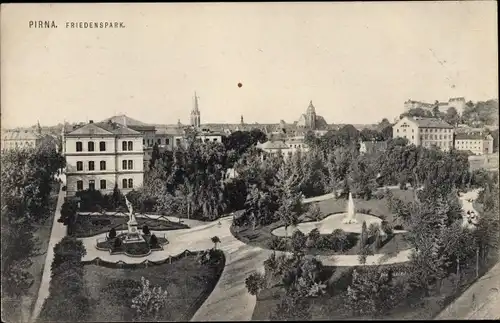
195,113
311,116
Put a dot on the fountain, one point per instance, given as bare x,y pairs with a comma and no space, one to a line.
351,212
132,234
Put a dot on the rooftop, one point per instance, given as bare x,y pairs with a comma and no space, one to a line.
102,128
471,136
430,122
272,145
21,135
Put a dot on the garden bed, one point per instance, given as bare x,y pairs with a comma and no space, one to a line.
142,248
91,225
262,235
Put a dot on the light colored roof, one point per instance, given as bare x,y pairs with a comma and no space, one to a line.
272,145
471,136
430,122
103,129
21,135
126,121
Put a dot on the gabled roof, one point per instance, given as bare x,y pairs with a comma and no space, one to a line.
430,122
272,145
126,121
20,135
90,129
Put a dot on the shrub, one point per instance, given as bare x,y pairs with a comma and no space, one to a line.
312,238
117,243
277,243
324,242
69,249
254,283
298,240
150,301
112,233
364,235
386,227
140,248
153,242
146,230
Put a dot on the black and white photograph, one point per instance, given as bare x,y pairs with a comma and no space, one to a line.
256,161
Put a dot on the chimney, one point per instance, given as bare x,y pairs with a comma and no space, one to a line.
91,121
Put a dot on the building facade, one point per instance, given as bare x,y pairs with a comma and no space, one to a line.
310,120
102,155
14,139
476,142
286,148
370,147
425,132
457,103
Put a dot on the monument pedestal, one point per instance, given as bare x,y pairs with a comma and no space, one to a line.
133,234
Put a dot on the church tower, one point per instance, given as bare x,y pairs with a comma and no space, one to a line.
195,113
311,116
241,120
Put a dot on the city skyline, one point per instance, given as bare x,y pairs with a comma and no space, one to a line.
355,64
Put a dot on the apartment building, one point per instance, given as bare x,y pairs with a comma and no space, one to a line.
425,132
101,155
24,138
477,143
285,148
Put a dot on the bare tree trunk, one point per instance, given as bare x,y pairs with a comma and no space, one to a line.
477,262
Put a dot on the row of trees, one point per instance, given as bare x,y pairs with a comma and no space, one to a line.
27,176
67,284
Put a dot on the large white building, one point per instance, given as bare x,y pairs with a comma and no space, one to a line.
476,142
425,132
25,138
102,155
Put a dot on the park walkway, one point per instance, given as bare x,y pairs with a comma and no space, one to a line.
480,301
58,232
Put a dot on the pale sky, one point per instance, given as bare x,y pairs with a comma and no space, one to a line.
357,62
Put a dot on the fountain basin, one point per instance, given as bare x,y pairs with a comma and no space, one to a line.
332,222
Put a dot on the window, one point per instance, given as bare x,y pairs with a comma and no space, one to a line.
124,164
124,183
79,165
207,140
124,145
79,185
143,142
91,165
102,146
159,141
397,130
215,139
130,145
440,136
79,146
167,141
103,184
412,130
102,165
90,146
130,164
178,142
130,183
412,137
91,184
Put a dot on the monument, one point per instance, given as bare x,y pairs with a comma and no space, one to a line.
132,234
351,212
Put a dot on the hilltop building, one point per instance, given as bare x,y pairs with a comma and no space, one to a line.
457,103
477,143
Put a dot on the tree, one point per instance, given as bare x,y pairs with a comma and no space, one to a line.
452,116
215,240
254,283
292,306
145,230
298,241
372,292
364,235
112,233
155,155
150,301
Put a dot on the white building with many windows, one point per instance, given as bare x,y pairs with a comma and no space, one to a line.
102,155
425,132
475,142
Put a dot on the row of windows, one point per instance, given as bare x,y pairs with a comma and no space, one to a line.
126,183
444,144
126,164
436,137
126,145
468,141
427,130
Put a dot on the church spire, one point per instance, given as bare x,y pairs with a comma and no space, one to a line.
241,120
38,127
195,109
195,113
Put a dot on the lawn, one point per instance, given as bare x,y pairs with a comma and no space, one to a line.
261,236
187,282
90,225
